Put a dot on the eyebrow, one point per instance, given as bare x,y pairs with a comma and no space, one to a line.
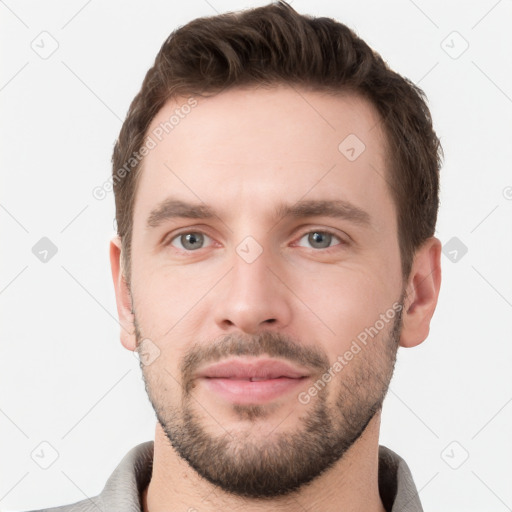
172,208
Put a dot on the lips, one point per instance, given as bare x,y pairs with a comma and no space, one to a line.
256,381
257,370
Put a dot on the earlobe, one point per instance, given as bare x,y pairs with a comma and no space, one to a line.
422,293
123,296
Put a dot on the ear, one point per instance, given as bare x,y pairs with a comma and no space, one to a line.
123,296
422,293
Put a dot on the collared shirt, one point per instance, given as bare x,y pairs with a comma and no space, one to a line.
123,490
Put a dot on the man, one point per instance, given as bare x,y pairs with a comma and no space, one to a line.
276,191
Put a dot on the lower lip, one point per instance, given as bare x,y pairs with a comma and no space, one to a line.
252,392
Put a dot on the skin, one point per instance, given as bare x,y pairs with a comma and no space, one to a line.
242,152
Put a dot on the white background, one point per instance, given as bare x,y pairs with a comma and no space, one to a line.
67,380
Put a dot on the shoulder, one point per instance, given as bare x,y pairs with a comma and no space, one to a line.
396,485
87,505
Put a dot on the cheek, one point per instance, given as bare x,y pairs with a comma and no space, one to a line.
166,304
346,300
162,384
165,298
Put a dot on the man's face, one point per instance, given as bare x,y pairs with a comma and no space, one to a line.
271,276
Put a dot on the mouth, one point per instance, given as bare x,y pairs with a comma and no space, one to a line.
245,381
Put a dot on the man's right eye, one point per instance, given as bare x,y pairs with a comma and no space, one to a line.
189,240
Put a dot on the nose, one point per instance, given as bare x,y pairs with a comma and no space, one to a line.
253,296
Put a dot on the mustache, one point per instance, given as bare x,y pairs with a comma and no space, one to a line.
268,343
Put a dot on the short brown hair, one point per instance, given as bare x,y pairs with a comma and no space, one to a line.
274,45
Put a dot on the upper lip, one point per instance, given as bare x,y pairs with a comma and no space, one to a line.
245,369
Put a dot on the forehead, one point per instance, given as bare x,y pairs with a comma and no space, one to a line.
250,147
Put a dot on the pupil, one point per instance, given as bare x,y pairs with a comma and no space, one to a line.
191,239
320,238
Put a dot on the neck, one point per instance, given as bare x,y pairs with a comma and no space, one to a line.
350,485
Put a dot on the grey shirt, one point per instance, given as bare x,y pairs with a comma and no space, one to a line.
123,490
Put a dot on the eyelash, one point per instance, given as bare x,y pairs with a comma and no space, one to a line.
322,231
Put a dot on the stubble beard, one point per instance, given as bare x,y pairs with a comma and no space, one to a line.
279,463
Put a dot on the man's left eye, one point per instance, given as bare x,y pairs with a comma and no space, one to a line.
320,239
